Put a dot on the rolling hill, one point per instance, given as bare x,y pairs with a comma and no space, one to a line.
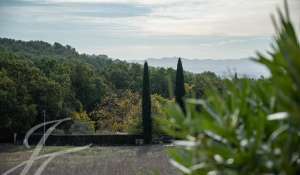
222,67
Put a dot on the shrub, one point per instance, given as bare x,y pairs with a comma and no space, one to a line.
82,124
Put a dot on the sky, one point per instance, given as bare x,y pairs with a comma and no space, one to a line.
140,29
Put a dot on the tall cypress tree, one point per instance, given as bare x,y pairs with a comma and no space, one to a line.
146,107
179,89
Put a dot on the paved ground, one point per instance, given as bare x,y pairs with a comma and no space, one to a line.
123,160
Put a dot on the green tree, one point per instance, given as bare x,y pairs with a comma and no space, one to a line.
146,107
179,86
86,85
17,110
203,82
25,92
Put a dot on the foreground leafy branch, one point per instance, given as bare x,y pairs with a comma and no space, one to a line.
252,127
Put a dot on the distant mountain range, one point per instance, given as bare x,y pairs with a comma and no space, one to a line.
224,67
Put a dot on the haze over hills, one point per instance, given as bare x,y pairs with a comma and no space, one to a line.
222,67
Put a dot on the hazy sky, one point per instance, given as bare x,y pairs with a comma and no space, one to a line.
139,29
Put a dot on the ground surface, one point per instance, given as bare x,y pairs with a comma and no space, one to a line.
125,160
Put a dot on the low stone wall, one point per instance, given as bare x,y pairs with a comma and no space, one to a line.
80,140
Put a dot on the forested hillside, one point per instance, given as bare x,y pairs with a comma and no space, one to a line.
37,76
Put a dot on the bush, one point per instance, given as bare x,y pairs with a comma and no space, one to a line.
118,113
82,124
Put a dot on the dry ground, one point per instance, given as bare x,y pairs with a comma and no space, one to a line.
121,160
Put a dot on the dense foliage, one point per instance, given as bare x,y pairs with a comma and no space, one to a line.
250,128
37,76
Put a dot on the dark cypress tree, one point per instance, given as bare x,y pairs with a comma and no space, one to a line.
146,107
179,89
235,76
